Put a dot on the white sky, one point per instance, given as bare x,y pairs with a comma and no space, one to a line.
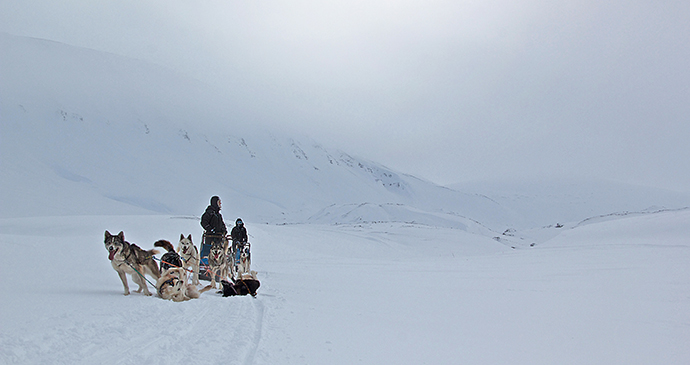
447,90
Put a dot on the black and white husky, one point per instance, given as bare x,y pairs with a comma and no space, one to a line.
170,258
245,260
243,285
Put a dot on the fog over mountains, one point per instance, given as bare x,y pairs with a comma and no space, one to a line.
92,133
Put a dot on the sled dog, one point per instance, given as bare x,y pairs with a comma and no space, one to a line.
217,261
243,267
128,258
190,256
245,284
170,258
172,285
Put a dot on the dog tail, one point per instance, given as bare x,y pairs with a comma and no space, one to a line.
165,244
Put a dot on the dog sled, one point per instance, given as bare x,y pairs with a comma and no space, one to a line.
237,258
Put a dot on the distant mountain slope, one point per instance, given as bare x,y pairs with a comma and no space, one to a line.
540,203
84,132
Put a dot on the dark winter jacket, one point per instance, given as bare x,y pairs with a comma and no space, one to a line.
239,233
212,221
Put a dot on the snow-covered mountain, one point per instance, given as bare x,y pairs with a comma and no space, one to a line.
135,138
113,135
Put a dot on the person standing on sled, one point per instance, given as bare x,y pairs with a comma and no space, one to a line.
239,239
214,227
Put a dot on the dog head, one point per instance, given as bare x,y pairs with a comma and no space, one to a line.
185,247
170,259
218,250
114,244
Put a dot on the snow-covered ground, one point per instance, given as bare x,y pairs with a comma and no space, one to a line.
615,292
358,263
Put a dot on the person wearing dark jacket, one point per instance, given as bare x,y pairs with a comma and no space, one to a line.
214,231
239,238
239,233
212,220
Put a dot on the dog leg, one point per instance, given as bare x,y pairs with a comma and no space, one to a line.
224,273
191,292
137,280
195,273
141,281
123,277
213,279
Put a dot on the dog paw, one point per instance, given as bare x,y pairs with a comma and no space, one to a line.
148,294
126,293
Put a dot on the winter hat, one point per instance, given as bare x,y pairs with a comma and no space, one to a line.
214,201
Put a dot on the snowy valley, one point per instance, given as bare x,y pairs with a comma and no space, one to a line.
358,263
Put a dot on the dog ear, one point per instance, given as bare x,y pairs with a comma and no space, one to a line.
121,235
190,237
107,234
181,236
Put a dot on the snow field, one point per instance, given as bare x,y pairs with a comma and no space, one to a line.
615,292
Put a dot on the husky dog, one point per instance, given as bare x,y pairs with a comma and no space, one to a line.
170,258
172,285
128,258
190,256
245,284
243,267
217,260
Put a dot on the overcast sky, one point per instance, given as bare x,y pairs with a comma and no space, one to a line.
447,90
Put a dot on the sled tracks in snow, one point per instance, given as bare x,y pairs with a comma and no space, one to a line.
233,330
258,327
